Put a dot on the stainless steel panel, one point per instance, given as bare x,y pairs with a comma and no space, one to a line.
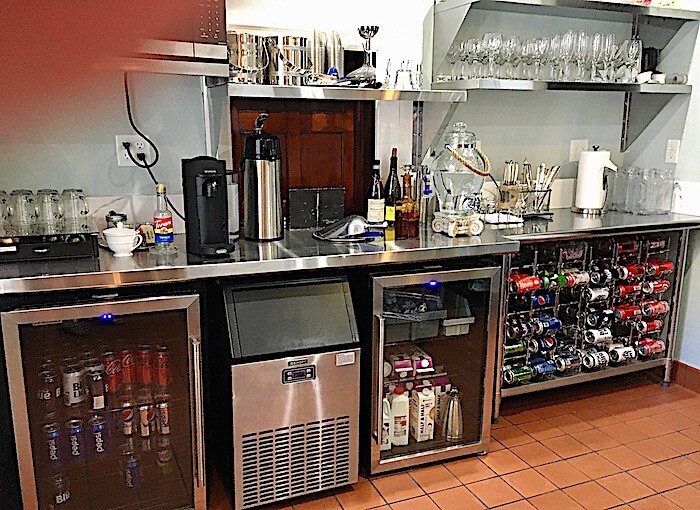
262,197
344,94
170,48
681,257
502,84
296,438
214,51
11,321
165,66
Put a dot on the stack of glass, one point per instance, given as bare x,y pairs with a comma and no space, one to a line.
642,190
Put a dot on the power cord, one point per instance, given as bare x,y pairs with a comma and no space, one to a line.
140,160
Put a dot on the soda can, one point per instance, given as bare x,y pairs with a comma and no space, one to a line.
649,346
599,318
128,366
624,313
98,429
543,300
132,470
601,276
542,367
514,329
597,294
622,354
165,461
73,389
126,402
628,290
146,444
656,245
655,308
656,287
513,375
143,364
96,385
543,324
567,362
59,489
161,366
52,433
74,428
598,336
523,283
113,370
147,416
49,389
649,326
627,247
510,349
658,267
595,359
620,272
163,416
543,344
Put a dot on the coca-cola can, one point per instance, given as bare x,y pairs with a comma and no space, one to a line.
625,313
143,364
654,308
622,354
656,244
524,283
658,267
656,287
128,366
161,366
113,370
650,326
649,346
628,290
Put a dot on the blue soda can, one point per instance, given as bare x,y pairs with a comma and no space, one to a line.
75,437
543,344
98,429
544,324
52,432
132,471
543,300
543,367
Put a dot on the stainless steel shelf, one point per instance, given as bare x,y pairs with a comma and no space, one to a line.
165,66
559,382
344,94
528,85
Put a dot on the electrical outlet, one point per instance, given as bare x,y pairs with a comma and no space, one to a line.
577,146
673,147
137,145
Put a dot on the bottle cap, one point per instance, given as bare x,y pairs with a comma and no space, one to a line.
160,188
399,390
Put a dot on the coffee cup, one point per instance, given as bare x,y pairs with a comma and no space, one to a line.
122,241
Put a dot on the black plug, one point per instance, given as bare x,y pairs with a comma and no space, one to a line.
141,156
126,145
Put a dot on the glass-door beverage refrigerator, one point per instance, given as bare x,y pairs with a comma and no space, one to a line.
433,365
107,404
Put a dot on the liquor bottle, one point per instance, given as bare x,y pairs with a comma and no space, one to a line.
163,222
375,199
392,189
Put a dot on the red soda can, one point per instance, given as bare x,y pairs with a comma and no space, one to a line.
524,283
656,287
161,366
633,271
143,364
657,267
650,326
627,247
626,290
113,370
652,308
649,346
627,312
128,366
656,244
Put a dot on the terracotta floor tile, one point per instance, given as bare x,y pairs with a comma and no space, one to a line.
397,487
511,436
680,443
653,450
695,457
434,478
529,483
684,468
693,433
494,492
494,446
677,420
657,478
359,496
541,429
521,417
422,502
592,496
692,412
626,487
518,505
562,474
569,423
504,461
566,446
549,411
657,502
624,457
623,432
470,470
500,423
596,417
595,439
684,497
651,427
558,500
327,503
457,498
594,466
535,454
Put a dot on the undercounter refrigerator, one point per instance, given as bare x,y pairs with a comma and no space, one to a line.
106,401
433,377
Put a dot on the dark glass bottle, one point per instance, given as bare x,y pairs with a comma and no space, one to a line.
375,198
392,190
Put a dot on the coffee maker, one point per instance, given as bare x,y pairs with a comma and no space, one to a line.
206,206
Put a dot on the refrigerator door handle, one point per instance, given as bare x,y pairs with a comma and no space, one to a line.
198,408
380,380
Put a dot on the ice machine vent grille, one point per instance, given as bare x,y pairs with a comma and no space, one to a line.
296,460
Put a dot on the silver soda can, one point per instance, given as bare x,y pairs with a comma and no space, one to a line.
73,389
591,294
622,354
163,417
597,359
597,336
146,419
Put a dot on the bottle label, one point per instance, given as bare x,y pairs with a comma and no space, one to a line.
375,210
390,213
163,228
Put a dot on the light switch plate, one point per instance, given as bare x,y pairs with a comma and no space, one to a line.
577,146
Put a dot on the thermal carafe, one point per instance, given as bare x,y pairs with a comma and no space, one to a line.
591,182
262,185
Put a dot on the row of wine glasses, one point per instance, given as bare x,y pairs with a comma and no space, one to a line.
571,56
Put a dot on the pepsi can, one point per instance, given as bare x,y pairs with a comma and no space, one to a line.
98,430
542,367
132,470
75,437
52,432
543,344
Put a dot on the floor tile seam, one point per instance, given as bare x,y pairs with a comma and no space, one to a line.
651,495
380,493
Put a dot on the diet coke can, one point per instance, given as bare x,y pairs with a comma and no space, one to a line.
113,370
648,347
658,267
128,366
656,287
161,366
628,290
655,308
143,364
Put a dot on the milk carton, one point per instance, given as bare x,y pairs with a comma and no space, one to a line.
442,386
423,414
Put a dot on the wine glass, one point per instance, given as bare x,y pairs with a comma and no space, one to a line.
366,73
541,46
510,57
582,54
631,58
492,45
452,58
597,54
554,57
568,41
609,53
527,51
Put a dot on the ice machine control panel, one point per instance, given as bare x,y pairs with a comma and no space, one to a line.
299,374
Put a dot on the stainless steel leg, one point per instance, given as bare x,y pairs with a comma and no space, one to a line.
499,348
677,292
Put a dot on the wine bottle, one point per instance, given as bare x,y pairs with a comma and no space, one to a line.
392,189
375,198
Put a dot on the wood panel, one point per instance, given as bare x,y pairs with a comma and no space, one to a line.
324,143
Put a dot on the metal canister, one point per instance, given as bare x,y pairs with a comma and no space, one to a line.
543,300
596,359
658,267
628,290
75,437
131,468
622,354
542,344
289,59
655,308
52,433
649,346
128,364
73,389
649,326
567,362
249,57
98,429
163,415
543,324
542,367
656,287
513,375
516,348
598,336
596,294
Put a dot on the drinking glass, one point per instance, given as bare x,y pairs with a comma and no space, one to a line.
492,45
452,59
510,57
610,50
74,205
597,55
582,54
665,183
632,189
50,211
4,203
630,57
568,41
22,210
540,55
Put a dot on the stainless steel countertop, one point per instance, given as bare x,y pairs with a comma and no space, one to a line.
299,251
